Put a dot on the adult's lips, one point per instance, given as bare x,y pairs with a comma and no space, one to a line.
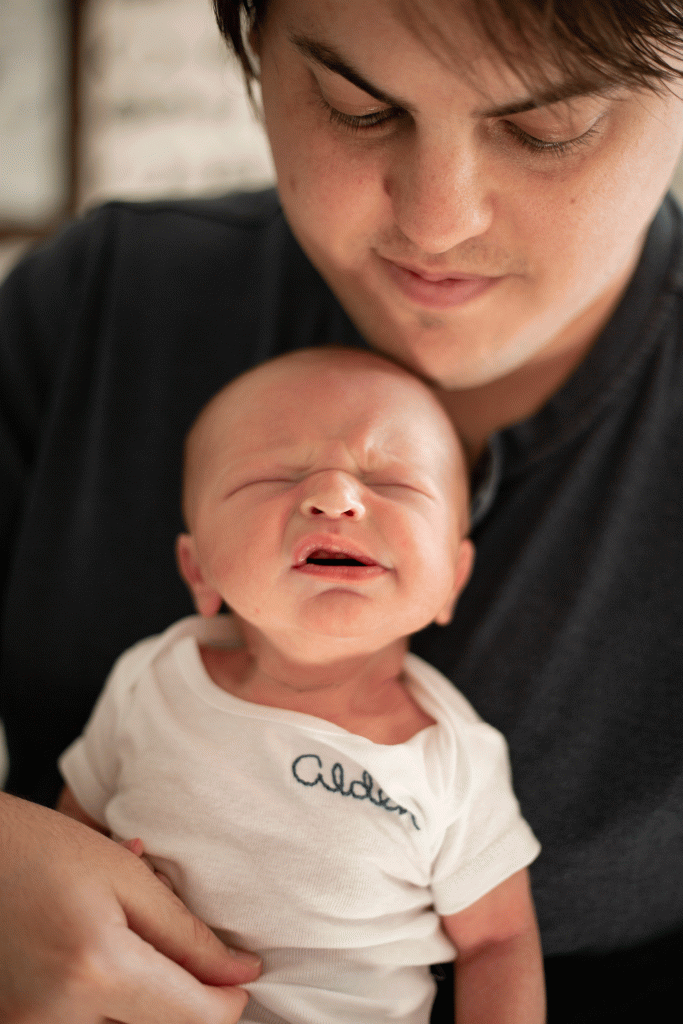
437,289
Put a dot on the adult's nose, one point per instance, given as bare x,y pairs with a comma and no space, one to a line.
333,494
439,192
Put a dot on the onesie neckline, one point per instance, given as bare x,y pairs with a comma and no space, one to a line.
187,656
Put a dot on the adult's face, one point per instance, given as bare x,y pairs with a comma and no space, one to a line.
465,235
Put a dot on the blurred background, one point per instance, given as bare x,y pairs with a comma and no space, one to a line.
102,98
117,98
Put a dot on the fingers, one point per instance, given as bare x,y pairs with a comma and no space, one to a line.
156,914
136,846
157,991
120,979
126,981
71,902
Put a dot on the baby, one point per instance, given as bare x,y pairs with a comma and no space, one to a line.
310,789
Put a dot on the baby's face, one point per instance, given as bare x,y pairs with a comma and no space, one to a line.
327,496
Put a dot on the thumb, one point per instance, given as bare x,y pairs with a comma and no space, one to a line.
159,917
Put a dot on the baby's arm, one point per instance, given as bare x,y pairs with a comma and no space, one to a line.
499,966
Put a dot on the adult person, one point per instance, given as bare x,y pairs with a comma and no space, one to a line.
476,190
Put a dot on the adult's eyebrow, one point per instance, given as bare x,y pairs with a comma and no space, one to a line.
332,60
554,94
329,58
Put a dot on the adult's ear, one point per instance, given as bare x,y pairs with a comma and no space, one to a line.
463,571
206,598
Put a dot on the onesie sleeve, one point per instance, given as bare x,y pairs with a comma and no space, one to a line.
489,840
91,765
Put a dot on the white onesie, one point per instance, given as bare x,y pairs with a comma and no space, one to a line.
331,855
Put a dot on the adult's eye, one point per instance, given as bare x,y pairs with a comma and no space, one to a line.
557,146
348,106
559,127
361,122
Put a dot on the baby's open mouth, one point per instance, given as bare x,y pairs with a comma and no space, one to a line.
322,557
330,561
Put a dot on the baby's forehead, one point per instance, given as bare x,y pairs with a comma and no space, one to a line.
363,401
361,384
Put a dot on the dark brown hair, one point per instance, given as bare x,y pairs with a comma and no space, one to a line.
615,42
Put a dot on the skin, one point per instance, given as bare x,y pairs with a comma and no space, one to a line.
445,186
324,449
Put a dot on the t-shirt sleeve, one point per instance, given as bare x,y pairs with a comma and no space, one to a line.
91,765
489,840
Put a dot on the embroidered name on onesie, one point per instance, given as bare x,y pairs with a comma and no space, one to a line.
308,770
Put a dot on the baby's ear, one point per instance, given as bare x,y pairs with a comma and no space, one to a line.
463,571
207,600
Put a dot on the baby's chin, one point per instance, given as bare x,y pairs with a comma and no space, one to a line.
321,641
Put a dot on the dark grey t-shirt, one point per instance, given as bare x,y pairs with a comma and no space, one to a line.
569,637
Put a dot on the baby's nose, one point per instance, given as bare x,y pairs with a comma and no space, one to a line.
333,494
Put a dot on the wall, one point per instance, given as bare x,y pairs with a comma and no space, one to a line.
163,103
163,107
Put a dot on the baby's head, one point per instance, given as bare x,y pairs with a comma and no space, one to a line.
325,493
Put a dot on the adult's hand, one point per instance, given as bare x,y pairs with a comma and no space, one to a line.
88,934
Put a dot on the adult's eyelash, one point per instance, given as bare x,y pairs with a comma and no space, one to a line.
556,148
365,122
355,122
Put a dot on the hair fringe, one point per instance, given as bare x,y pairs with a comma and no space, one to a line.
621,42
